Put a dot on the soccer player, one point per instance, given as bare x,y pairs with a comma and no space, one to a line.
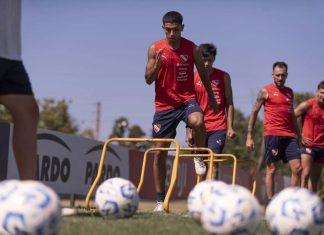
311,112
219,125
15,90
171,65
280,128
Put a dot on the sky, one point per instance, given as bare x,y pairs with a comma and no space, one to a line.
96,51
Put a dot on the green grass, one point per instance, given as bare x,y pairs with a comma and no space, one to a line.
144,222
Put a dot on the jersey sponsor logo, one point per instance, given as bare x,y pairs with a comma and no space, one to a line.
164,56
184,58
156,128
275,94
274,152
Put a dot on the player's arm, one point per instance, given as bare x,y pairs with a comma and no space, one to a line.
299,112
229,105
153,65
262,97
204,79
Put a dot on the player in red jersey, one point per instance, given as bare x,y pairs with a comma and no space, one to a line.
280,128
171,65
219,125
311,112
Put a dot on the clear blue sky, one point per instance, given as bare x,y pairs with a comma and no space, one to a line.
90,51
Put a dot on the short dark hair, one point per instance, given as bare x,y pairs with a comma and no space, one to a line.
320,85
172,17
280,64
208,49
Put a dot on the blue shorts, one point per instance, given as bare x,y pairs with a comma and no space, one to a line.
166,122
14,78
317,153
283,148
216,140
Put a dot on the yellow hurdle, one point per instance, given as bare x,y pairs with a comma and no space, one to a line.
103,155
174,174
212,158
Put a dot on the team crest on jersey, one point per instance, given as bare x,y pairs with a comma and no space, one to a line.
156,128
184,58
215,82
274,152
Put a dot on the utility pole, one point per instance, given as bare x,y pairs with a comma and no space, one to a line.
98,111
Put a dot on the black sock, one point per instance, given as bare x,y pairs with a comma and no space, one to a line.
160,196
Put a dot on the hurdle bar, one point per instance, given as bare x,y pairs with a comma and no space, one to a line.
103,155
174,174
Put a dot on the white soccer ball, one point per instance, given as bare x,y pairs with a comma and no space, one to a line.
198,195
30,208
117,198
231,210
295,211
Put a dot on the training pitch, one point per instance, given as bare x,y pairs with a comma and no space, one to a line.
144,222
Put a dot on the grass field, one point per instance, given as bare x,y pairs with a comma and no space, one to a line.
144,222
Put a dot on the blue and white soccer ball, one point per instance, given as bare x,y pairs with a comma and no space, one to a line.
198,196
29,207
295,211
117,198
231,210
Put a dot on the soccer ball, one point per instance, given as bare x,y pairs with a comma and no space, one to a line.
231,210
117,198
198,195
29,207
295,211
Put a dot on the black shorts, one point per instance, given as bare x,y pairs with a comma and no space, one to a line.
317,153
166,122
14,78
216,140
283,148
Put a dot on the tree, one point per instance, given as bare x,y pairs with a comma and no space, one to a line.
54,115
120,127
236,146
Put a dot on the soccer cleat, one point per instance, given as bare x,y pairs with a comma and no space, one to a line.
159,207
200,166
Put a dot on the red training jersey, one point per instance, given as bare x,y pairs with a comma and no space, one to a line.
213,122
174,84
278,111
313,124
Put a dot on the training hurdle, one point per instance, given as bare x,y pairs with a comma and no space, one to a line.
174,174
103,155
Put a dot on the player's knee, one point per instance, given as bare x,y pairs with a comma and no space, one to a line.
296,168
271,170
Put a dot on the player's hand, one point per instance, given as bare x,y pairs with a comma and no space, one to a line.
189,138
158,58
231,133
250,144
306,140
